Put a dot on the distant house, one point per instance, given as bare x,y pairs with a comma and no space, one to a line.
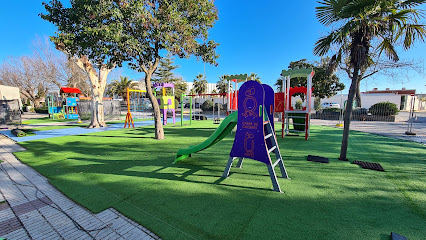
403,98
405,95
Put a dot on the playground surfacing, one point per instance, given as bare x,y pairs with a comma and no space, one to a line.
128,170
69,131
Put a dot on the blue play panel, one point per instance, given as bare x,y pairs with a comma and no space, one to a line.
78,130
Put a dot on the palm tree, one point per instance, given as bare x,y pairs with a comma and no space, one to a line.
200,84
360,23
222,86
254,77
120,87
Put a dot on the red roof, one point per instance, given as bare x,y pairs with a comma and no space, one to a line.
70,90
400,92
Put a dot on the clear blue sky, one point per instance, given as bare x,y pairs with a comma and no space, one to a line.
253,37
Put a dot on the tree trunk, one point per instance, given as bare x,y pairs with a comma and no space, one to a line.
98,84
348,115
358,95
159,132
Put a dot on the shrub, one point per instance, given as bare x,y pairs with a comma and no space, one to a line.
299,104
384,109
360,111
207,105
41,110
331,110
317,103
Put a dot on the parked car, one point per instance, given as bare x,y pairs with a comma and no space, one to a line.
330,105
197,105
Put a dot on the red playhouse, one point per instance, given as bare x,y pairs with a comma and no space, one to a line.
300,117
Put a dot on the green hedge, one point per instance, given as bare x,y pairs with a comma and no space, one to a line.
41,110
384,109
207,105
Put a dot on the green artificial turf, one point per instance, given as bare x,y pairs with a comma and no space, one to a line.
130,171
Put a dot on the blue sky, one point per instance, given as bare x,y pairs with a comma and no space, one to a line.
253,37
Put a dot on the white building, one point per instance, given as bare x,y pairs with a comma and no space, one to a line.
210,87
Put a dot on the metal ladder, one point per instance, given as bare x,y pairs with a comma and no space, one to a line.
272,145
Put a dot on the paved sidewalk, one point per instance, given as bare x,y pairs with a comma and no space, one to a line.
31,208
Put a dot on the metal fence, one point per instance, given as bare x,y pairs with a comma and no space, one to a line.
111,109
10,111
380,120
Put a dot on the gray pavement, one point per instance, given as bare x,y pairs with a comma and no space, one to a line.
31,208
395,129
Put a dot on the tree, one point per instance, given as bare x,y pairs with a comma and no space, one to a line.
254,77
222,86
324,84
90,34
178,27
120,87
57,69
381,65
23,72
180,88
200,84
357,25
164,73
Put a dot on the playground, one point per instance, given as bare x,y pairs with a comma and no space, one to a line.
128,170
185,188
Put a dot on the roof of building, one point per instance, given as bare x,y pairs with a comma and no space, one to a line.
402,91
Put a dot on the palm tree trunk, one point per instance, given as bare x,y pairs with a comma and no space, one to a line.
348,115
159,132
358,94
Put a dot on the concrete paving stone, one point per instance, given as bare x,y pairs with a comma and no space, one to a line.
13,195
43,221
71,230
92,224
50,235
50,212
134,234
124,229
18,234
5,212
9,225
121,226
106,233
76,235
106,215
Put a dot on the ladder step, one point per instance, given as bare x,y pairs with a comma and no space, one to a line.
268,136
275,164
272,149
265,122
303,124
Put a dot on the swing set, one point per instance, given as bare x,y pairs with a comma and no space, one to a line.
138,107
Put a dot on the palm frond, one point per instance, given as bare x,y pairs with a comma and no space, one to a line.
410,3
328,12
387,47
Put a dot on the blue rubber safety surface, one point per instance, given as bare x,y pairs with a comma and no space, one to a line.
79,130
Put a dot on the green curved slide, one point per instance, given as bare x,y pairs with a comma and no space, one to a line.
222,131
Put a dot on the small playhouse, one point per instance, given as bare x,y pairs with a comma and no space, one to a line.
64,106
283,103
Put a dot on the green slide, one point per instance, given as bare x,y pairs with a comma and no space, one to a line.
222,131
